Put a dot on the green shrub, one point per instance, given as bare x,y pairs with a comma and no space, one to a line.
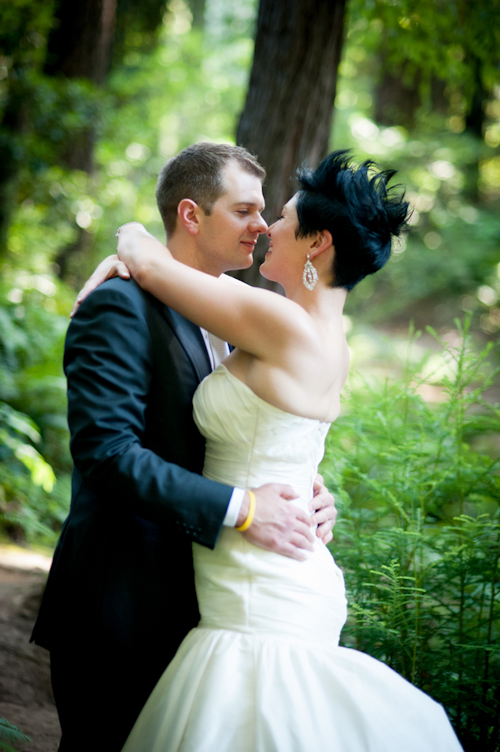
419,533
33,427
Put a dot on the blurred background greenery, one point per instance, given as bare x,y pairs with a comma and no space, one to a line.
95,97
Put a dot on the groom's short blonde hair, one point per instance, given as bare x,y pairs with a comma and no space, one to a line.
196,173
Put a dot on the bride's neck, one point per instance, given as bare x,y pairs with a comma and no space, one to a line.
321,303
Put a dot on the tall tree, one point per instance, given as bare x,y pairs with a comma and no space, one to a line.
197,8
140,22
288,111
79,46
23,28
398,95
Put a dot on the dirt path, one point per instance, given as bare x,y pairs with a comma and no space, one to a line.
25,693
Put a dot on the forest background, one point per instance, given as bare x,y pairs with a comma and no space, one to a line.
95,97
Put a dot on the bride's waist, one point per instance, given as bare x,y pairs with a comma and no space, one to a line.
236,473
247,589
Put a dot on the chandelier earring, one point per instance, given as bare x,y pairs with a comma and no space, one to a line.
309,275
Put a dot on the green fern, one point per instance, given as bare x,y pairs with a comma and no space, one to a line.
10,733
418,532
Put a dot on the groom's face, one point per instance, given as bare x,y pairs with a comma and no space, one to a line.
228,235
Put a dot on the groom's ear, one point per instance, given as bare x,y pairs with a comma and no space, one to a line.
188,212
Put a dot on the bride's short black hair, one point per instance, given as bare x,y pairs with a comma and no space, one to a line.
355,205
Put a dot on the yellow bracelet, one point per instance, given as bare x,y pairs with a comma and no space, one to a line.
251,513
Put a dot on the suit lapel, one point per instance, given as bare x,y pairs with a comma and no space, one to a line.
191,339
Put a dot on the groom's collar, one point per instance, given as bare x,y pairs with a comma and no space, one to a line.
191,339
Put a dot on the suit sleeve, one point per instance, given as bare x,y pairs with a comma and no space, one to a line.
108,361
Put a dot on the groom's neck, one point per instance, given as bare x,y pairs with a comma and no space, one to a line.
184,248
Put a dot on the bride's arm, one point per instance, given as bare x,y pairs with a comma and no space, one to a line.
255,320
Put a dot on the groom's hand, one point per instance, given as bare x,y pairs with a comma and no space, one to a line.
322,505
278,525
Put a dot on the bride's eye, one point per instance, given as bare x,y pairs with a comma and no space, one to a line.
280,217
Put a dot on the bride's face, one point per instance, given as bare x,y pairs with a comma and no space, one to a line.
287,254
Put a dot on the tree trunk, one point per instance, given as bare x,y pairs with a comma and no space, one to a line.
23,29
80,43
197,8
474,125
79,46
398,97
13,125
288,111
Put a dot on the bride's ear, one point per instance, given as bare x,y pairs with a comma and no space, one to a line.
187,211
321,243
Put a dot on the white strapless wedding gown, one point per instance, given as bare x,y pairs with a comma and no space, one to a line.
263,671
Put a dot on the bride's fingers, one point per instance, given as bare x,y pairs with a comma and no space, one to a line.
107,269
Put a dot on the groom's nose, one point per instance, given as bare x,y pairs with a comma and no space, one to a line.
260,224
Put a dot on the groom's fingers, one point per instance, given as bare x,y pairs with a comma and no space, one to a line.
285,491
279,526
324,532
324,518
324,512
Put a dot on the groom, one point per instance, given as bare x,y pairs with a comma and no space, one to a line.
120,595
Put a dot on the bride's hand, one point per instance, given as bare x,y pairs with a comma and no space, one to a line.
136,247
107,269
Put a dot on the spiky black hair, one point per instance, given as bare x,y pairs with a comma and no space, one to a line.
355,205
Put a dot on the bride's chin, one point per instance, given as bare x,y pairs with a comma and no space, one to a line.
262,271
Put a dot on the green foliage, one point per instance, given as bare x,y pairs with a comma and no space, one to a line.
419,530
437,37
10,733
33,431
452,177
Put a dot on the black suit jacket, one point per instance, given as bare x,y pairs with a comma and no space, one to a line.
122,570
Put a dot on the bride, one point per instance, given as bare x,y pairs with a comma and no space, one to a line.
263,671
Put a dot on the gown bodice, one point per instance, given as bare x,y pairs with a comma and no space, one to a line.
239,586
250,442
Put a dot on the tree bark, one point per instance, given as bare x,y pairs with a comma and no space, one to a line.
474,125
197,8
23,29
13,125
288,111
79,46
397,98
